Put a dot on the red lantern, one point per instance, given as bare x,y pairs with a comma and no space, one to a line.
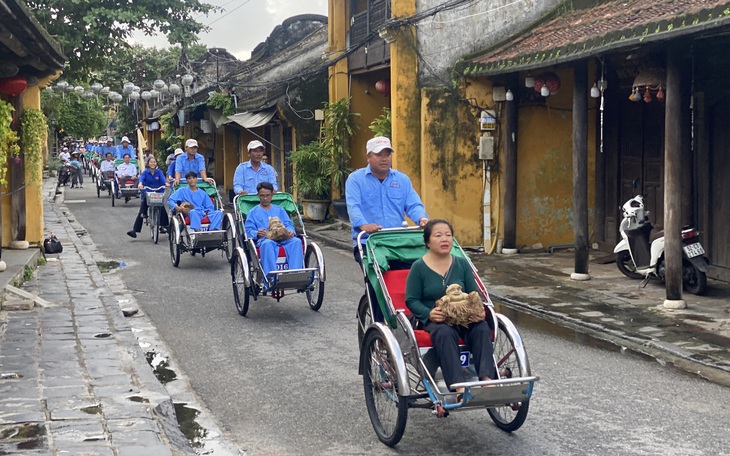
383,86
550,80
13,86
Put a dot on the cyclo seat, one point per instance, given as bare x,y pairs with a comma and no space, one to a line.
395,282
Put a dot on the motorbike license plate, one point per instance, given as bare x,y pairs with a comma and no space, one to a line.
464,359
694,250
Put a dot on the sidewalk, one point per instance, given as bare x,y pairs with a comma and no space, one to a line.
73,378
609,307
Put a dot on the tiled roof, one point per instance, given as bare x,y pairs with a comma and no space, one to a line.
608,26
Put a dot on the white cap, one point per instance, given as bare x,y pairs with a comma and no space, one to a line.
191,143
125,139
377,144
178,151
255,144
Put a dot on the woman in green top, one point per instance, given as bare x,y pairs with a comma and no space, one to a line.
427,281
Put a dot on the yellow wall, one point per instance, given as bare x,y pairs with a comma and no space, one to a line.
451,173
33,197
406,97
230,155
218,155
366,101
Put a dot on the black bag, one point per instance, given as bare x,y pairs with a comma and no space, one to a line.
52,245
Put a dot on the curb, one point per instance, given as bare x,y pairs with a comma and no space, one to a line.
160,400
329,241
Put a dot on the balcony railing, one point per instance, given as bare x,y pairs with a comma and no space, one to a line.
370,20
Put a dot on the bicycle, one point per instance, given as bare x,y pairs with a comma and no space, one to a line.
155,203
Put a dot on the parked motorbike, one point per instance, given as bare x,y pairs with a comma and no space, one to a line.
640,254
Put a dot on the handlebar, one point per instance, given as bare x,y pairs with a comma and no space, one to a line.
153,189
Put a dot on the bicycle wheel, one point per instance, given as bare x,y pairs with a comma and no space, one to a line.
155,224
241,293
388,411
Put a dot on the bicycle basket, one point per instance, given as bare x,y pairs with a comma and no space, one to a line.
155,199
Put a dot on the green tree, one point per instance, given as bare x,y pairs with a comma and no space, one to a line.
81,118
90,31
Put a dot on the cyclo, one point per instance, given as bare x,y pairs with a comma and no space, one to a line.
124,187
246,270
183,240
400,369
104,182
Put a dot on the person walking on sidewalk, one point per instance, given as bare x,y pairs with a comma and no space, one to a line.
378,196
78,174
251,173
151,177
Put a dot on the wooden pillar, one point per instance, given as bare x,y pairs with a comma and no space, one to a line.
673,182
580,169
509,239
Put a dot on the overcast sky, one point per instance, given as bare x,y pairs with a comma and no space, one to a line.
243,24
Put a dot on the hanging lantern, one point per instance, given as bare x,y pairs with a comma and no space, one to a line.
164,90
134,96
383,87
595,92
155,93
117,97
174,89
660,94
146,95
69,88
158,84
13,86
87,95
49,89
550,81
127,88
187,80
136,89
62,85
96,88
647,95
79,90
529,81
8,70
104,91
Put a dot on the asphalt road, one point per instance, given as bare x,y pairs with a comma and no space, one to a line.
283,381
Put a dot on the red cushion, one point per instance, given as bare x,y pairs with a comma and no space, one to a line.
202,222
282,252
395,281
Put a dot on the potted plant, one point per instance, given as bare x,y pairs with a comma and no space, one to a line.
312,179
337,129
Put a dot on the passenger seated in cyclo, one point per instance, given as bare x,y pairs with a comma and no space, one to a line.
428,279
107,166
127,169
257,224
198,207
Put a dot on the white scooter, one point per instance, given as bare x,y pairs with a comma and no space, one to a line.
641,256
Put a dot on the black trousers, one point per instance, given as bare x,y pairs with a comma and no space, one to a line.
78,177
164,221
445,340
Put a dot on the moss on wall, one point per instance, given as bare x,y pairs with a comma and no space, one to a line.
454,133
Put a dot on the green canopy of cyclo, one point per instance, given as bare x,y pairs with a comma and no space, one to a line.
202,185
119,161
383,247
244,203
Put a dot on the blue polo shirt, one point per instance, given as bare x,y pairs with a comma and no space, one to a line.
246,178
184,165
384,203
121,150
104,149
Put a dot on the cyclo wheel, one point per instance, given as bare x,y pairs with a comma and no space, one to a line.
510,417
241,293
174,247
230,239
364,318
315,292
387,410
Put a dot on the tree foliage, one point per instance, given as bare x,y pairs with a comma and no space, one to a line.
80,118
90,31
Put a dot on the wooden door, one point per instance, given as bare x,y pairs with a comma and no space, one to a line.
716,240
641,147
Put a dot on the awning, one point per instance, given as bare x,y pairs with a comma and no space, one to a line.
252,119
609,26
